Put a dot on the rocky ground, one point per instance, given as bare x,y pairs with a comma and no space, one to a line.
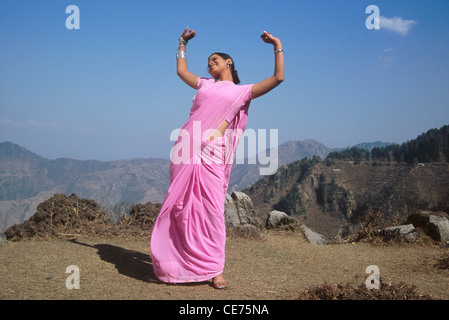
114,262
282,266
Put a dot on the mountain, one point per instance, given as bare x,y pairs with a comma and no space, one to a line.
27,179
245,174
10,152
371,145
332,196
431,146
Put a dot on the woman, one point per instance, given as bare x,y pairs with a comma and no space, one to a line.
188,239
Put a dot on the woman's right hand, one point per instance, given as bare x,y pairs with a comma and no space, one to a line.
268,38
188,34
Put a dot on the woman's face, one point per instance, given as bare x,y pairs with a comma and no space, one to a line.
217,65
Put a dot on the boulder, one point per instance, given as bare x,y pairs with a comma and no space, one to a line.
434,224
400,231
239,210
313,237
278,219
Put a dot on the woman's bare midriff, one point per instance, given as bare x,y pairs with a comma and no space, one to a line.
220,131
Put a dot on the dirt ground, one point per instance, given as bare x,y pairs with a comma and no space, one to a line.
279,267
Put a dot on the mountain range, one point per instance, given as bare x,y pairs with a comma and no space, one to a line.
27,179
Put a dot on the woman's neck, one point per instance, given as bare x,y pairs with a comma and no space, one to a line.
225,76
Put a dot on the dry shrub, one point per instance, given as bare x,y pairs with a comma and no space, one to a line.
349,291
245,232
442,262
64,216
373,221
369,223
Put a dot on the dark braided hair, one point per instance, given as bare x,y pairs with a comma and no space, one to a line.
235,76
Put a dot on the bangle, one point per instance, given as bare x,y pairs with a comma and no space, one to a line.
181,54
277,51
183,41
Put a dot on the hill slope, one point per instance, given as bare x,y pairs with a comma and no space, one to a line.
333,195
247,173
27,179
328,196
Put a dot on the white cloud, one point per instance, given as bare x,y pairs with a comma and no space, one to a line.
386,57
40,124
31,123
396,24
385,60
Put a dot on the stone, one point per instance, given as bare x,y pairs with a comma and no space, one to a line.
277,219
434,224
401,231
239,210
313,237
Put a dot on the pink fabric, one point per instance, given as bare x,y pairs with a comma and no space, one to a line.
189,236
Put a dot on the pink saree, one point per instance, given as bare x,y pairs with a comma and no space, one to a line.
189,236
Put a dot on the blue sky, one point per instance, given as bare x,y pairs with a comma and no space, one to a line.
109,90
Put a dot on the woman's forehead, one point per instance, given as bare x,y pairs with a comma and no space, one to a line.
214,56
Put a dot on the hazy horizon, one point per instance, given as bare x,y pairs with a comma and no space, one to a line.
109,90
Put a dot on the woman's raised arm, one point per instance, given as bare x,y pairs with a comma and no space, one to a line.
270,83
181,59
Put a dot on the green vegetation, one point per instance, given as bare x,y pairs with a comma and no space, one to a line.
332,198
428,147
291,203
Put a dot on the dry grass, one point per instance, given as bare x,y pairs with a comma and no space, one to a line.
115,262
348,291
281,266
442,262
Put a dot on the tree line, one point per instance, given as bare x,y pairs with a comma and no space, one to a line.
432,146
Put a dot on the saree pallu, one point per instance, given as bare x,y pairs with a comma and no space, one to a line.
189,236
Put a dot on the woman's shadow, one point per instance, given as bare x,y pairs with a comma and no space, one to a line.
130,263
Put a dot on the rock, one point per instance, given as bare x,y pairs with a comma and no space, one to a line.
401,231
278,219
313,237
239,210
240,217
435,225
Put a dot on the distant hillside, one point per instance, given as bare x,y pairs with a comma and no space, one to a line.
335,193
371,145
246,174
332,196
430,146
27,179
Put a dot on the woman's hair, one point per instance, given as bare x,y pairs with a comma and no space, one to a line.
235,76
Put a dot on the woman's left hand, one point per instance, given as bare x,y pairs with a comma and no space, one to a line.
268,38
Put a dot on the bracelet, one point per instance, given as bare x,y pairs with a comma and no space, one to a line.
181,54
277,51
183,41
